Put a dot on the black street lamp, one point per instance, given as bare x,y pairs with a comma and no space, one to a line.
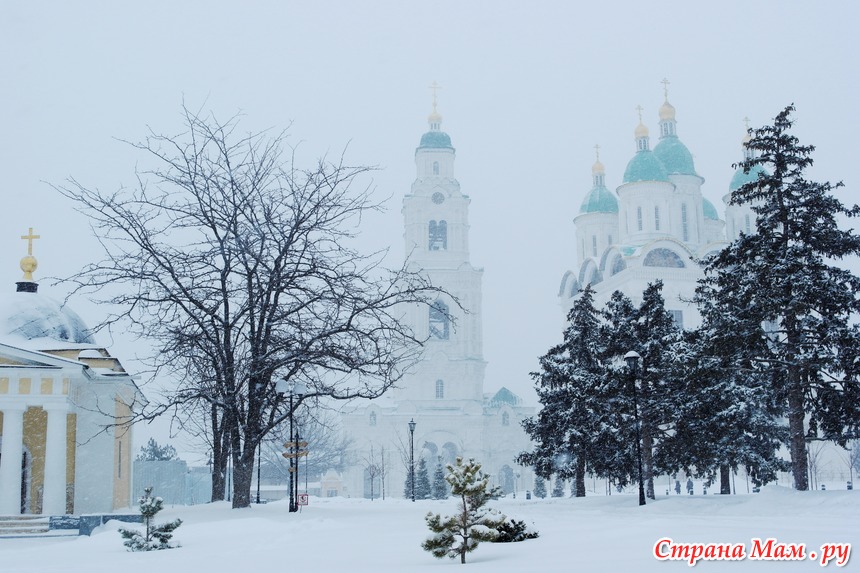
632,359
259,452
297,389
412,456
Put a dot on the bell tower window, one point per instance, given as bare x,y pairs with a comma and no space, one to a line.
440,389
439,320
438,236
656,218
594,245
639,218
435,168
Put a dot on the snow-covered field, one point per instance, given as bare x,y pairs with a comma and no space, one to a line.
595,534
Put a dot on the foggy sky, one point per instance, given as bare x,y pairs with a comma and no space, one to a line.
528,89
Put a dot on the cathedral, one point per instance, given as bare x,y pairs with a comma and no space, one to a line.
654,226
444,395
63,399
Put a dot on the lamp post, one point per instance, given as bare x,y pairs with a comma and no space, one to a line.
632,359
259,452
297,389
412,456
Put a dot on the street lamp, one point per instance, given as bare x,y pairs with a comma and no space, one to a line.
412,456
297,389
632,360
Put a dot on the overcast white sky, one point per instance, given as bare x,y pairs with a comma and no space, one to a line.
528,89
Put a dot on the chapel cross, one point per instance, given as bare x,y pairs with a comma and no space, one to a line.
29,238
747,123
665,83
639,108
597,151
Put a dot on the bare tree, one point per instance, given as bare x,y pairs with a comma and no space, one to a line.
238,266
328,447
372,470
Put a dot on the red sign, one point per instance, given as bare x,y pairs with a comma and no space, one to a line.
303,499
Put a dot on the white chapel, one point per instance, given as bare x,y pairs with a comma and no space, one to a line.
63,399
445,394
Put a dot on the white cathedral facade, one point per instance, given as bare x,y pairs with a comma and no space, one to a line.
653,227
444,394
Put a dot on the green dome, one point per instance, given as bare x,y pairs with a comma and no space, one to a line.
675,156
645,167
599,200
740,178
709,211
435,140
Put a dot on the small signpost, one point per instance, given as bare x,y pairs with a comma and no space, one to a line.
295,451
303,499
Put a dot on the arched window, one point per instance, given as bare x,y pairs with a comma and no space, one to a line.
663,258
657,218
506,419
439,320
685,229
435,168
438,236
639,218
440,389
618,265
371,420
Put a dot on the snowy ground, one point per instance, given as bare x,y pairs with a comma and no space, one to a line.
594,534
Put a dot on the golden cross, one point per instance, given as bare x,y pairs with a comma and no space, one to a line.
639,108
665,83
29,238
597,151
435,87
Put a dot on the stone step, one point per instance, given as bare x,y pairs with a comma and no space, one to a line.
24,524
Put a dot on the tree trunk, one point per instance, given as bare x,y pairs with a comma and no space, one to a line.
648,460
579,480
725,480
243,476
797,436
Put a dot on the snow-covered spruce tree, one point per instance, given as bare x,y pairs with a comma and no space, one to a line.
558,488
440,488
423,490
796,307
474,522
407,486
568,425
152,452
656,334
154,537
722,419
540,487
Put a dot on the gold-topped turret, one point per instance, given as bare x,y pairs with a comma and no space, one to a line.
597,168
29,263
434,118
667,110
641,131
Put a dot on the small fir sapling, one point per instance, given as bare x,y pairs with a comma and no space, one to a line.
156,536
423,490
558,488
474,522
540,488
440,486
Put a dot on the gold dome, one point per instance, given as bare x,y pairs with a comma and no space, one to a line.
28,265
597,168
667,112
641,131
434,117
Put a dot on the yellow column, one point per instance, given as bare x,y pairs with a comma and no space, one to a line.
54,496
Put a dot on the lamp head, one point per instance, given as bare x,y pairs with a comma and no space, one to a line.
632,359
412,425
